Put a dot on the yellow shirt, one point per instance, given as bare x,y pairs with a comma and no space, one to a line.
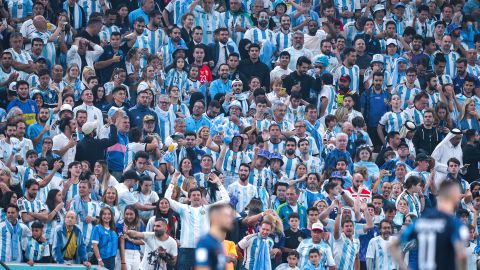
229,249
71,249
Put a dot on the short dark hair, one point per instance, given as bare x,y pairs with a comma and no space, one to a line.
31,183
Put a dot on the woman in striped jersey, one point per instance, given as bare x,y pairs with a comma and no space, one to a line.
56,213
230,159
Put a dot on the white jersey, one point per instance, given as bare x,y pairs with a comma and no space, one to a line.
345,252
195,222
378,251
244,194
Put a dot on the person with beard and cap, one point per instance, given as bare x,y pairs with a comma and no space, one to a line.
206,17
92,149
450,147
297,49
23,101
160,249
377,64
38,131
194,217
236,20
378,257
210,250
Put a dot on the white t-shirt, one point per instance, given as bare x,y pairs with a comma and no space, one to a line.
152,246
59,141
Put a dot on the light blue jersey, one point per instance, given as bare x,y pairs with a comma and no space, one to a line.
244,194
353,72
394,121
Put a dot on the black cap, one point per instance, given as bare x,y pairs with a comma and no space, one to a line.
403,143
130,174
422,157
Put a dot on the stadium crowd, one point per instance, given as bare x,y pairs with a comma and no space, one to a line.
254,134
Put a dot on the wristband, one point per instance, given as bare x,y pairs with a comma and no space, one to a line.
99,260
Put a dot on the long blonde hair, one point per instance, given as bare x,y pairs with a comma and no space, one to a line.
276,221
463,112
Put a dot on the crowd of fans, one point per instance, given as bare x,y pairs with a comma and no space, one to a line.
311,133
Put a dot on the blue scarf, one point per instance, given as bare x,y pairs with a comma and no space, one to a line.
262,261
266,53
15,234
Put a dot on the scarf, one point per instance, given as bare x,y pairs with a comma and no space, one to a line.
266,52
15,234
77,15
262,261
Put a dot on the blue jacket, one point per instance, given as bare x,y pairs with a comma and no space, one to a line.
136,114
60,240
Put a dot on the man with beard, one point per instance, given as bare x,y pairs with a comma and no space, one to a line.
345,244
283,38
7,75
160,248
223,84
261,33
242,189
297,50
313,191
450,56
473,68
462,74
378,257
326,49
281,70
197,120
210,252
38,131
416,53
220,50
139,111
236,20
194,217
31,208
449,147
138,39
432,88
314,37
93,113
257,248
290,159
358,190
206,17
169,48
92,149
253,66
349,68
112,58
23,102
299,81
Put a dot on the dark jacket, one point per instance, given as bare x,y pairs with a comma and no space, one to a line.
247,69
214,51
136,114
426,140
309,86
92,149
471,155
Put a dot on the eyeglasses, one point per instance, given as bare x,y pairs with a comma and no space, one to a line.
301,126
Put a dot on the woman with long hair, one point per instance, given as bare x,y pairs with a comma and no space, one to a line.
105,179
203,134
163,210
105,240
110,200
189,182
72,79
99,98
56,213
130,247
122,18
469,116
364,158
148,81
443,120
185,167
145,195
119,75
8,197
132,65
231,157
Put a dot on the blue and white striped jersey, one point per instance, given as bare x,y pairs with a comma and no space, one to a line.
250,244
229,20
35,251
34,206
256,35
344,251
106,32
49,51
12,238
347,5
90,6
19,9
394,121
177,8
353,72
406,94
378,251
84,209
289,166
244,194
326,256
209,21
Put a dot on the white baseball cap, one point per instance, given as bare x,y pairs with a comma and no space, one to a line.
66,107
89,127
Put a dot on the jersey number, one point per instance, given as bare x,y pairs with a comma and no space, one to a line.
426,250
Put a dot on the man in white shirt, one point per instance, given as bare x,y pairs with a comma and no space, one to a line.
297,50
93,113
281,69
160,249
64,144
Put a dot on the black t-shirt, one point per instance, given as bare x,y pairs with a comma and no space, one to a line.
86,35
292,240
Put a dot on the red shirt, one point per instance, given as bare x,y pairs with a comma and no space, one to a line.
366,195
204,74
